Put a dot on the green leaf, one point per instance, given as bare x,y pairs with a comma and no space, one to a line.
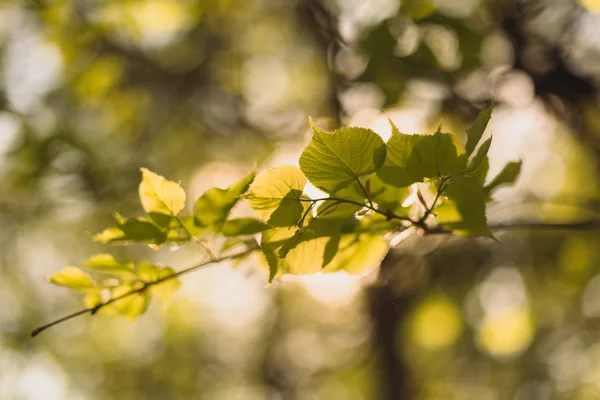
508,175
276,195
132,230
480,173
214,206
149,273
465,213
243,226
289,244
108,264
159,195
475,132
133,305
335,210
480,156
183,229
388,197
73,278
332,160
412,158
306,253
358,253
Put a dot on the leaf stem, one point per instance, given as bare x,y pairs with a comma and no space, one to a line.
429,209
94,310
387,214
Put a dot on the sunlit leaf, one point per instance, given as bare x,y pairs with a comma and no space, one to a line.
308,252
332,160
336,210
475,132
73,278
214,205
159,195
464,214
108,264
132,230
130,306
276,195
358,253
149,273
480,155
412,158
243,226
508,175
388,197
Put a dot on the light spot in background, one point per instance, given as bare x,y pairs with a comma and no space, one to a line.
32,67
590,301
407,120
506,335
590,5
456,8
515,88
265,81
497,51
231,299
436,323
502,291
41,379
336,289
567,362
152,22
506,329
357,14
444,45
10,127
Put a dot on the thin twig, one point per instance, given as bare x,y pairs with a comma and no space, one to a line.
93,310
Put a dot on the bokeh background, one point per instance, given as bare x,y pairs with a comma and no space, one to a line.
200,91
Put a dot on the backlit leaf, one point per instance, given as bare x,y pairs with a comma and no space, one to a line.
358,253
73,278
475,132
332,160
159,195
276,195
149,273
412,158
132,230
307,252
243,226
508,175
480,155
214,205
464,214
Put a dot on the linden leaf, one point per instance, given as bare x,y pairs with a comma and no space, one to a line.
332,160
214,205
159,195
73,278
276,195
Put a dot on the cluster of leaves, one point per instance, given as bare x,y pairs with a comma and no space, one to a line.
371,191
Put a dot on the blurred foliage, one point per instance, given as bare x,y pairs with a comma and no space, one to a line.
90,91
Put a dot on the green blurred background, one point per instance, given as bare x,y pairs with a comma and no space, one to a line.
200,91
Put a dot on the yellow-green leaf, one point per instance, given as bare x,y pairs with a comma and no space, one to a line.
73,278
159,195
243,226
475,132
333,160
276,195
149,273
214,205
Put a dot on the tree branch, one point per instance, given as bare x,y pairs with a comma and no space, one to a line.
94,310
